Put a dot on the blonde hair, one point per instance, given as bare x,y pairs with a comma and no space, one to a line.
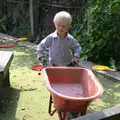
63,17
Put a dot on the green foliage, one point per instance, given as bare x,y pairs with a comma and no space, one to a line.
96,25
14,18
3,23
100,31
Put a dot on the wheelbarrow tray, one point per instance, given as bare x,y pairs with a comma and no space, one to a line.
72,88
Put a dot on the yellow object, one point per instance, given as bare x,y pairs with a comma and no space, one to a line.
20,39
102,67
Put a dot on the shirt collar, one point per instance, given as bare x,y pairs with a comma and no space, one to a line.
56,36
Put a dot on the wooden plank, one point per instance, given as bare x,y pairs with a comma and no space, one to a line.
107,114
5,62
31,17
33,11
5,59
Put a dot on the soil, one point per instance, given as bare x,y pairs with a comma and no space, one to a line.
28,98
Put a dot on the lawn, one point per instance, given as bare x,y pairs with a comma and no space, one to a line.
27,98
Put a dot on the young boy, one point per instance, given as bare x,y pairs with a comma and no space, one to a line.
63,48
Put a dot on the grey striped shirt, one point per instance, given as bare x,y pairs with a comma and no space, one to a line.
60,51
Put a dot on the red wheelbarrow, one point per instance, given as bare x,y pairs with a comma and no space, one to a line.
71,89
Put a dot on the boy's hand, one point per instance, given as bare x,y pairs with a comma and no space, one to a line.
76,59
41,60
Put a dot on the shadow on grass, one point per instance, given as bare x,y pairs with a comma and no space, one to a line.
9,98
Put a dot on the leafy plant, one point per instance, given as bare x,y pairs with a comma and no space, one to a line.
100,35
112,63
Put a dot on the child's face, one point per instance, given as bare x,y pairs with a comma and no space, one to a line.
61,28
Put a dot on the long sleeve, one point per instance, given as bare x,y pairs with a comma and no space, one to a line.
76,47
42,47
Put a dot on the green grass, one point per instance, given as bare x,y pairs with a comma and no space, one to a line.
28,98
111,95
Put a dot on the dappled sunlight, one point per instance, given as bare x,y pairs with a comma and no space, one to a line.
31,98
34,97
111,95
20,53
23,57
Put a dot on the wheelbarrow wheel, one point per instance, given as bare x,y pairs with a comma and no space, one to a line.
68,116
74,114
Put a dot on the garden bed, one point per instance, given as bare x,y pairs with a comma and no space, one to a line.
27,98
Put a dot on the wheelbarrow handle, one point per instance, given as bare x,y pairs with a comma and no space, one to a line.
45,63
75,64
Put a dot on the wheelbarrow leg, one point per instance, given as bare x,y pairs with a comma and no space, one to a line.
83,112
60,116
63,116
50,107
